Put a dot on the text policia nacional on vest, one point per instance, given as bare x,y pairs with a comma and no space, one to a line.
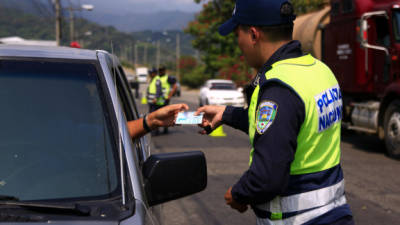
329,107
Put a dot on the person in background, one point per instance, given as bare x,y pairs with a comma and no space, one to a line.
154,95
168,84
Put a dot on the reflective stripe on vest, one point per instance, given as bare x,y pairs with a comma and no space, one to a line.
304,217
318,141
165,85
304,201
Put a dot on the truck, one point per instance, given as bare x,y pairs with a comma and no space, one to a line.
360,42
141,74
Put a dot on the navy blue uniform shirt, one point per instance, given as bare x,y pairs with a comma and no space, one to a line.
268,175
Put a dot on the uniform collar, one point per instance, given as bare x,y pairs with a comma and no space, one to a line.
289,50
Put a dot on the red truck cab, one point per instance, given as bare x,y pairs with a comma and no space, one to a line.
361,44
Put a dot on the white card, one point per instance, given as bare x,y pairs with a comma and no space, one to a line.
188,118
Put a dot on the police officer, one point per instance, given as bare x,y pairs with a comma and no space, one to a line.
293,121
169,87
154,93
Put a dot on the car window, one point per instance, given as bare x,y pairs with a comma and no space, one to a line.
128,91
55,136
222,86
128,104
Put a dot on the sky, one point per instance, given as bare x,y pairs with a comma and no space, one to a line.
143,6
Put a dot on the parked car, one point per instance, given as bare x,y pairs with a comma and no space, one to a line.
221,92
66,156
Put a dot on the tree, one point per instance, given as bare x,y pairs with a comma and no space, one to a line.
204,29
305,6
221,55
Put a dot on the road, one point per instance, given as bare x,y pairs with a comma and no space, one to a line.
372,178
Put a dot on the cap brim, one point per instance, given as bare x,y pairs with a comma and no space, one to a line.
227,27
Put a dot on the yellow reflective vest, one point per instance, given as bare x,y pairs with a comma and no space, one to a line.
318,141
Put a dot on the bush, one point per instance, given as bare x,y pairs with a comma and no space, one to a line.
195,78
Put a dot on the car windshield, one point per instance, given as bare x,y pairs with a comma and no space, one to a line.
222,86
54,140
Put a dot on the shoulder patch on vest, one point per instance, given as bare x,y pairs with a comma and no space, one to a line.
265,116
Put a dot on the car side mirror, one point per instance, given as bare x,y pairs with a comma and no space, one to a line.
170,176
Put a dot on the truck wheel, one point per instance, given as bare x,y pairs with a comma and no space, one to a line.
392,129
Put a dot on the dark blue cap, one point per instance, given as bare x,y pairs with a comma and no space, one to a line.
153,70
259,13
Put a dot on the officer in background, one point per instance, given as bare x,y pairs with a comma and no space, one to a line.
169,87
154,94
155,98
293,121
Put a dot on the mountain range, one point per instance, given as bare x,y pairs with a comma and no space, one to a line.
157,21
125,15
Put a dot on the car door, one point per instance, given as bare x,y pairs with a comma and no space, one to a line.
131,113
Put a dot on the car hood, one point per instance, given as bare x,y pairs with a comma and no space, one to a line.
225,93
74,222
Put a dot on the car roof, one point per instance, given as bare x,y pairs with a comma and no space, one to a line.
30,51
219,81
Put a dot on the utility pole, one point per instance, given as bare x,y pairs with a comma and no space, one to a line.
71,24
58,21
158,54
136,62
178,55
71,9
145,54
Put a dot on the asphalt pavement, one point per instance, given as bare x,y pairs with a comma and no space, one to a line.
372,178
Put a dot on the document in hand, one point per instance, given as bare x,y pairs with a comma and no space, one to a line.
188,118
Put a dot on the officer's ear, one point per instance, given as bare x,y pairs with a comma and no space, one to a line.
255,35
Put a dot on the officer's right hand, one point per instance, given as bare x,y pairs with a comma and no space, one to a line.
212,117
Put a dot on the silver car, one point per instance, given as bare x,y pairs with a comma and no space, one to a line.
65,153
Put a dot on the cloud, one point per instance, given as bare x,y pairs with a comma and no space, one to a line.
184,5
142,6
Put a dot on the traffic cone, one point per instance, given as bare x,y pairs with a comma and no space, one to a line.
144,100
218,132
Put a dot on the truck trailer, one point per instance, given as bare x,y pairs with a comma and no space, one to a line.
360,41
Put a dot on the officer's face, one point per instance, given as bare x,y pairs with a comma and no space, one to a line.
246,45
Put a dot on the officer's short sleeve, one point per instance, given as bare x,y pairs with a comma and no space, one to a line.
280,114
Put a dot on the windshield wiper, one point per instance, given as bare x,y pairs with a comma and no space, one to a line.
48,207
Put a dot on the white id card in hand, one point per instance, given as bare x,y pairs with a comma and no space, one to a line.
188,118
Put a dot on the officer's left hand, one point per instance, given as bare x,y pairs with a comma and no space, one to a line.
234,205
